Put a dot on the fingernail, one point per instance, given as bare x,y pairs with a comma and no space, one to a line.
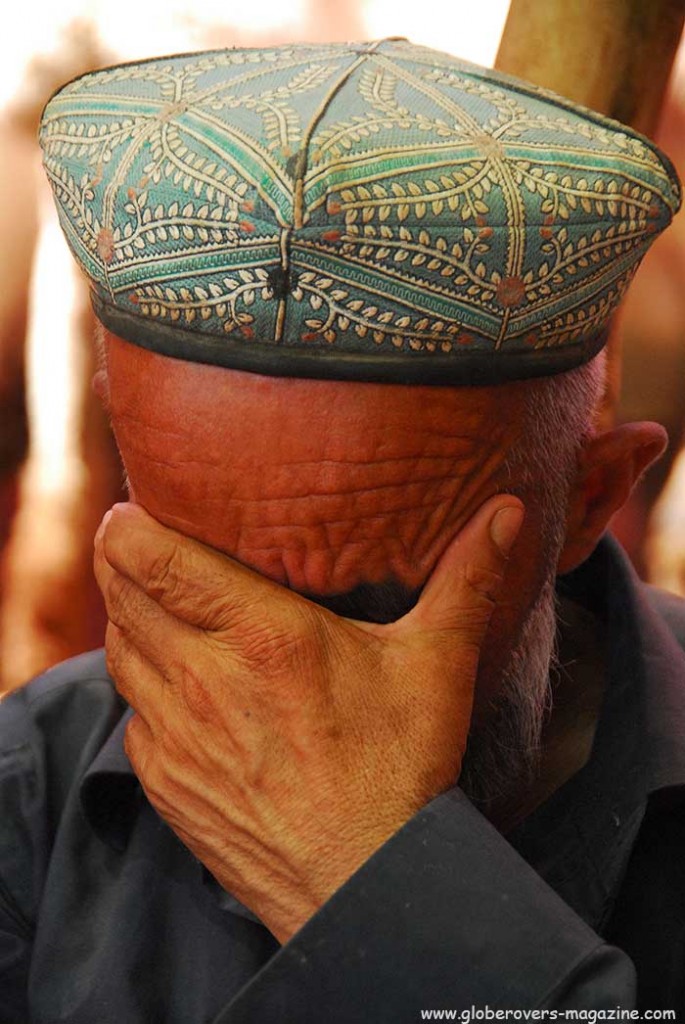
505,526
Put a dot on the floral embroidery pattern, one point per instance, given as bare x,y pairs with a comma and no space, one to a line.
357,198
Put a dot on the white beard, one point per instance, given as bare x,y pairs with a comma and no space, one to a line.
505,751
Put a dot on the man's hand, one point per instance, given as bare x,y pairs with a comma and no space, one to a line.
284,744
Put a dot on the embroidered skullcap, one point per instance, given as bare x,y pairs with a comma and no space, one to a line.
370,211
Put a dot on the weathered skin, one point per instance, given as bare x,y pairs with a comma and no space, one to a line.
258,713
321,485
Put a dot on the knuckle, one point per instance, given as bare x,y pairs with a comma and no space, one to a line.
117,656
120,599
149,766
267,646
484,583
216,610
134,744
165,574
154,784
275,649
197,694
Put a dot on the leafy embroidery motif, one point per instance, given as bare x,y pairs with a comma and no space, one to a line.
400,199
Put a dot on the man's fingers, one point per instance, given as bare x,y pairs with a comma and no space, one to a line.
461,594
137,681
190,580
167,677
159,637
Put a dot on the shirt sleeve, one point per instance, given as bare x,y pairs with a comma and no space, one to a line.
445,916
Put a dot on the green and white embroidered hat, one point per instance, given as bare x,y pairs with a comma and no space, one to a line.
373,211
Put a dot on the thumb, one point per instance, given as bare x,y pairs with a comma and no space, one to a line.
461,593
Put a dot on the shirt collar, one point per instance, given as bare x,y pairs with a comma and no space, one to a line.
642,720
111,797
110,791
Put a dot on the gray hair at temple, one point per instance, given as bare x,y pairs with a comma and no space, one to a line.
561,412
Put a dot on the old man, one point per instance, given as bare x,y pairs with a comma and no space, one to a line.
333,768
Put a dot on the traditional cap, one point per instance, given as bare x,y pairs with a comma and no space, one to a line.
370,211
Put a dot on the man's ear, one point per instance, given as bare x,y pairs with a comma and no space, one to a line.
609,466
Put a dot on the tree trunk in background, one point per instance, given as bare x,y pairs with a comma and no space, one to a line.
614,56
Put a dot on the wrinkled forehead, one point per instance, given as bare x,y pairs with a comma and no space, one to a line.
212,407
322,485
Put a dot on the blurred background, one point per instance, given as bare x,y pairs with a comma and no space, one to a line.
59,471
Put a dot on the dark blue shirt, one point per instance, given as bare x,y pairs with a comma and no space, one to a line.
106,918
